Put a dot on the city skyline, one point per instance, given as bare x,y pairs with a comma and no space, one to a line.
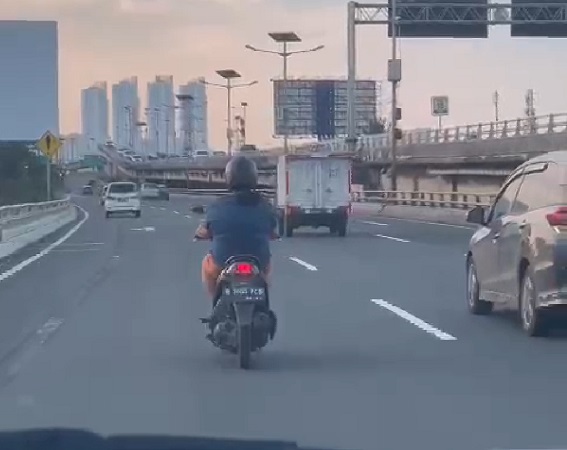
143,125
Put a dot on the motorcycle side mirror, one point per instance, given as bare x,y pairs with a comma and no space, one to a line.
477,215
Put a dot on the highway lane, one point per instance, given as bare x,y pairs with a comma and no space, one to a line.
130,356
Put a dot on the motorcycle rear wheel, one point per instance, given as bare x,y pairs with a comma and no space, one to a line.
244,346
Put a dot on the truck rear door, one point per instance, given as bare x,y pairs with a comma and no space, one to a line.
334,180
302,183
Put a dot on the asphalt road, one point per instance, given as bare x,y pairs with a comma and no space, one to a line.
375,348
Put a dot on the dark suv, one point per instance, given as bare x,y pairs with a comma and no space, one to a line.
518,257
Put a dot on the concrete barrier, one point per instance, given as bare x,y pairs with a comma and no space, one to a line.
22,225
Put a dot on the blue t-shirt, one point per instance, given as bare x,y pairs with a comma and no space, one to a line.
241,224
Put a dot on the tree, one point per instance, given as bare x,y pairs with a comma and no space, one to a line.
377,126
22,175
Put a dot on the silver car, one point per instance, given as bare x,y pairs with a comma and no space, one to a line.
150,191
518,256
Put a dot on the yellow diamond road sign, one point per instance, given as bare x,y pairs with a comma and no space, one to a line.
49,144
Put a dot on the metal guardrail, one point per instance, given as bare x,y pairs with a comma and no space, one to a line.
458,200
13,213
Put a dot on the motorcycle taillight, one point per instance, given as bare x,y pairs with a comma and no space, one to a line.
243,268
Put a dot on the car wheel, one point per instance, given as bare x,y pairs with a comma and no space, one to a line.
533,318
107,214
476,305
138,213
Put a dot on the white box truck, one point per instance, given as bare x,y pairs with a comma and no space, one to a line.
313,191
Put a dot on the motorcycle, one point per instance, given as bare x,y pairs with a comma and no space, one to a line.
241,321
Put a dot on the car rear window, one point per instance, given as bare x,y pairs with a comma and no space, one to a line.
541,189
150,186
122,188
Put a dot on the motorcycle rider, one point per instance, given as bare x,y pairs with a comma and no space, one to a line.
241,223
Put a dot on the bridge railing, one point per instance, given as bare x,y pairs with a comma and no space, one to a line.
547,124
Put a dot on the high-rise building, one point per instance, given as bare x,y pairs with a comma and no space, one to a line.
193,115
74,148
29,79
94,115
126,113
161,115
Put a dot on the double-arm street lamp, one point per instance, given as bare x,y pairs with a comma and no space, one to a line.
229,75
285,38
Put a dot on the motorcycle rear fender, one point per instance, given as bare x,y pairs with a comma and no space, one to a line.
244,312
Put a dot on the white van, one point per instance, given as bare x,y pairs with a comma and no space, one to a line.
123,197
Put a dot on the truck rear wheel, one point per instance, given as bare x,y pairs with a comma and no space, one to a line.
342,228
289,231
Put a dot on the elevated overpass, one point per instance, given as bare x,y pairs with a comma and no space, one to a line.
485,149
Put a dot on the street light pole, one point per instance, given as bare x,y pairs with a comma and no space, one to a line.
285,38
229,116
229,75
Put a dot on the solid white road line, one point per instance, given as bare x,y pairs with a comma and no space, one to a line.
424,326
368,222
303,263
392,238
9,273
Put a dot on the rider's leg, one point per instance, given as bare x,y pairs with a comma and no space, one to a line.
210,273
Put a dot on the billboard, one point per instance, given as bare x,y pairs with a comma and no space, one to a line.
445,18
523,13
318,108
29,79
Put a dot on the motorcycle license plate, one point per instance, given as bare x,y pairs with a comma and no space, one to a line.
245,293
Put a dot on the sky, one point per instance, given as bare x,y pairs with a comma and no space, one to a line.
114,39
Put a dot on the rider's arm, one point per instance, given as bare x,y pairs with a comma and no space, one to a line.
203,231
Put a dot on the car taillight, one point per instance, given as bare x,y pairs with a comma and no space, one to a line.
243,269
558,217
